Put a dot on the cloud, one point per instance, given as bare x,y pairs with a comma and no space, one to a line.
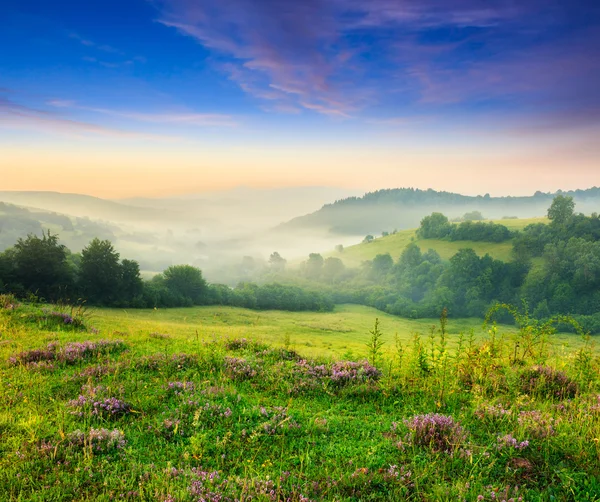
338,57
16,116
186,119
100,47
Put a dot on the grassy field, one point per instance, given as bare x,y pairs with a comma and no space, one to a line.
353,256
341,333
222,404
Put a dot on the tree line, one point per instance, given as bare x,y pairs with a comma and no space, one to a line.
555,270
45,268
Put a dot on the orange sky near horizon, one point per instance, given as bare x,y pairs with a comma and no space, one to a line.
115,172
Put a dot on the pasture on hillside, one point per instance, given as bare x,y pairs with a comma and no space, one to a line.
223,404
394,244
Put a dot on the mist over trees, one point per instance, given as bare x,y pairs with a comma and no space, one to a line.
555,269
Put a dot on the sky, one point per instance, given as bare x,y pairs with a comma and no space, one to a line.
165,97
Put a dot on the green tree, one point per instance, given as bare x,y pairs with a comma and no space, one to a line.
187,282
314,266
40,266
276,262
561,210
100,273
473,216
435,226
132,285
333,268
381,265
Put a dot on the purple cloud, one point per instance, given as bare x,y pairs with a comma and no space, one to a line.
17,116
338,57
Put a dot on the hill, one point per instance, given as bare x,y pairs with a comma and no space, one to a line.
403,208
394,244
168,406
80,205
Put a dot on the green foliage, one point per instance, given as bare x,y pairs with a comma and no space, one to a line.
436,226
38,265
473,216
276,262
375,344
561,210
186,282
314,266
100,273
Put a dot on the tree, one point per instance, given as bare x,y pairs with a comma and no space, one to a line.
339,248
473,216
40,266
276,262
367,239
561,210
186,281
333,268
100,273
314,266
131,282
435,226
381,265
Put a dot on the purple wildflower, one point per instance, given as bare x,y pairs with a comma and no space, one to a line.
435,431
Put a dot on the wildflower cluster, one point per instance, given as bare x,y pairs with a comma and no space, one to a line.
211,412
508,441
339,374
438,432
492,412
62,317
549,382
345,372
70,353
178,388
175,362
237,344
239,369
99,440
538,424
91,402
277,421
96,371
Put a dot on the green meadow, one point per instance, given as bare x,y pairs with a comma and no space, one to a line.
394,244
226,404
341,333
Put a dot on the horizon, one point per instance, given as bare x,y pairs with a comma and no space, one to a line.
239,188
170,97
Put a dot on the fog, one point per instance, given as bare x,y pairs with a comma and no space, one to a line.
225,230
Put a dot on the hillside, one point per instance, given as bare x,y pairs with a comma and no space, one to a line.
223,404
394,244
403,208
80,205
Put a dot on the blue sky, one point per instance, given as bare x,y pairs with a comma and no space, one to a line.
226,92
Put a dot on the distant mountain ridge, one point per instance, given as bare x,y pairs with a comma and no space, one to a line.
80,205
402,208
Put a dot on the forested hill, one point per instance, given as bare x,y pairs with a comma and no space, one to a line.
401,208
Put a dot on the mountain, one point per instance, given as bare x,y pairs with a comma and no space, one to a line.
84,206
403,208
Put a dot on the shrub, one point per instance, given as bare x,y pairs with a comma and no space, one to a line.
547,381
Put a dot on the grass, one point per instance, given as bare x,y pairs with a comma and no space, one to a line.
353,256
215,404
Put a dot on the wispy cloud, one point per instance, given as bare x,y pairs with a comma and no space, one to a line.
16,116
172,118
101,47
336,57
